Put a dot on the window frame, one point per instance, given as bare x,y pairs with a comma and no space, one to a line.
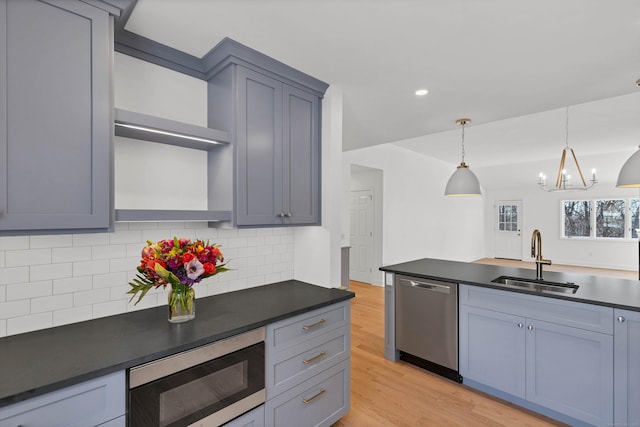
593,203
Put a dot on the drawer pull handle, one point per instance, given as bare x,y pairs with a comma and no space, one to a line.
314,358
307,327
314,397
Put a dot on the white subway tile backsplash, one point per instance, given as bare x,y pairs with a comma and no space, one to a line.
121,237
18,325
109,280
12,243
29,290
75,284
109,251
11,309
77,253
14,275
87,268
72,315
50,271
27,257
93,296
86,276
51,303
92,239
50,241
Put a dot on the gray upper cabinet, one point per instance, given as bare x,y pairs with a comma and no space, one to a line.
274,120
55,115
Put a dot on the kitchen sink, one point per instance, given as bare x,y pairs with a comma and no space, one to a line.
537,285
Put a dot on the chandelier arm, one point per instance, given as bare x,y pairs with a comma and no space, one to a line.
578,166
559,177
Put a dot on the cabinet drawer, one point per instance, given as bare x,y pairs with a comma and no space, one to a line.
253,418
288,368
570,313
87,404
297,329
320,401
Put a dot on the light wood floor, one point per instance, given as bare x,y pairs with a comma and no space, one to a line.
385,393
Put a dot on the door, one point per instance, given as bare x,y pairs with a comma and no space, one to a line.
570,370
362,222
301,151
627,368
259,149
492,349
507,236
54,116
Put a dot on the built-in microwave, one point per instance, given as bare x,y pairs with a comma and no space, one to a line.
209,385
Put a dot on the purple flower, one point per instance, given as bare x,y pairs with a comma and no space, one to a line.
194,269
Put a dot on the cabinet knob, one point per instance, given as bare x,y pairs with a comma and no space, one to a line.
288,214
520,324
621,319
280,215
530,327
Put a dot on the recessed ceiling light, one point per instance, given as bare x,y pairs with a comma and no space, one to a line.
422,92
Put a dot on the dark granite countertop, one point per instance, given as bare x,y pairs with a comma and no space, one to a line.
42,361
599,290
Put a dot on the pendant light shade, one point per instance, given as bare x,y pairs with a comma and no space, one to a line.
463,182
629,176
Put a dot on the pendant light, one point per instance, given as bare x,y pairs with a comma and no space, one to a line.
563,181
463,182
629,176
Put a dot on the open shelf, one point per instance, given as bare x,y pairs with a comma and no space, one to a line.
150,128
132,215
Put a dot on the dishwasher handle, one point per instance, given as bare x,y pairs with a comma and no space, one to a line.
444,289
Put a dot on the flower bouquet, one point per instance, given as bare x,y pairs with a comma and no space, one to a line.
180,263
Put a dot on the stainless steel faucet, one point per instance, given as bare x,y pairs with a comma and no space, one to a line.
536,252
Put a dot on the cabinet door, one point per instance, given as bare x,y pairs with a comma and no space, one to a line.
54,115
259,149
301,151
492,349
627,367
570,370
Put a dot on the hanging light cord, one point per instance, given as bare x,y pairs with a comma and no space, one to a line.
566,129
463,123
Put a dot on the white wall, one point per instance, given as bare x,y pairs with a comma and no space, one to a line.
317,249
418,220
543,210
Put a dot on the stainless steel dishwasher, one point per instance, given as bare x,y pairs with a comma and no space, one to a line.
427,324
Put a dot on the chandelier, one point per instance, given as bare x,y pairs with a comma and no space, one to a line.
563,180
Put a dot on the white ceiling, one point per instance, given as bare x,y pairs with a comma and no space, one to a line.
510,65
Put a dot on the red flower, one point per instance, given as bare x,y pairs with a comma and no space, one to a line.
152,264
187,256
209,268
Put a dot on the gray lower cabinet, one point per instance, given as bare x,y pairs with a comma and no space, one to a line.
97,402
552,353
627,367
307,362
55,115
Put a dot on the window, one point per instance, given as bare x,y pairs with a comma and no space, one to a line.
610,218
508,218
577,218
601,219
634,208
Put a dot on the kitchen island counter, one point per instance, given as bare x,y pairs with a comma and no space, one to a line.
38,362
599,290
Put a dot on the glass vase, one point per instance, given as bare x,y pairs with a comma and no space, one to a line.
182,304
